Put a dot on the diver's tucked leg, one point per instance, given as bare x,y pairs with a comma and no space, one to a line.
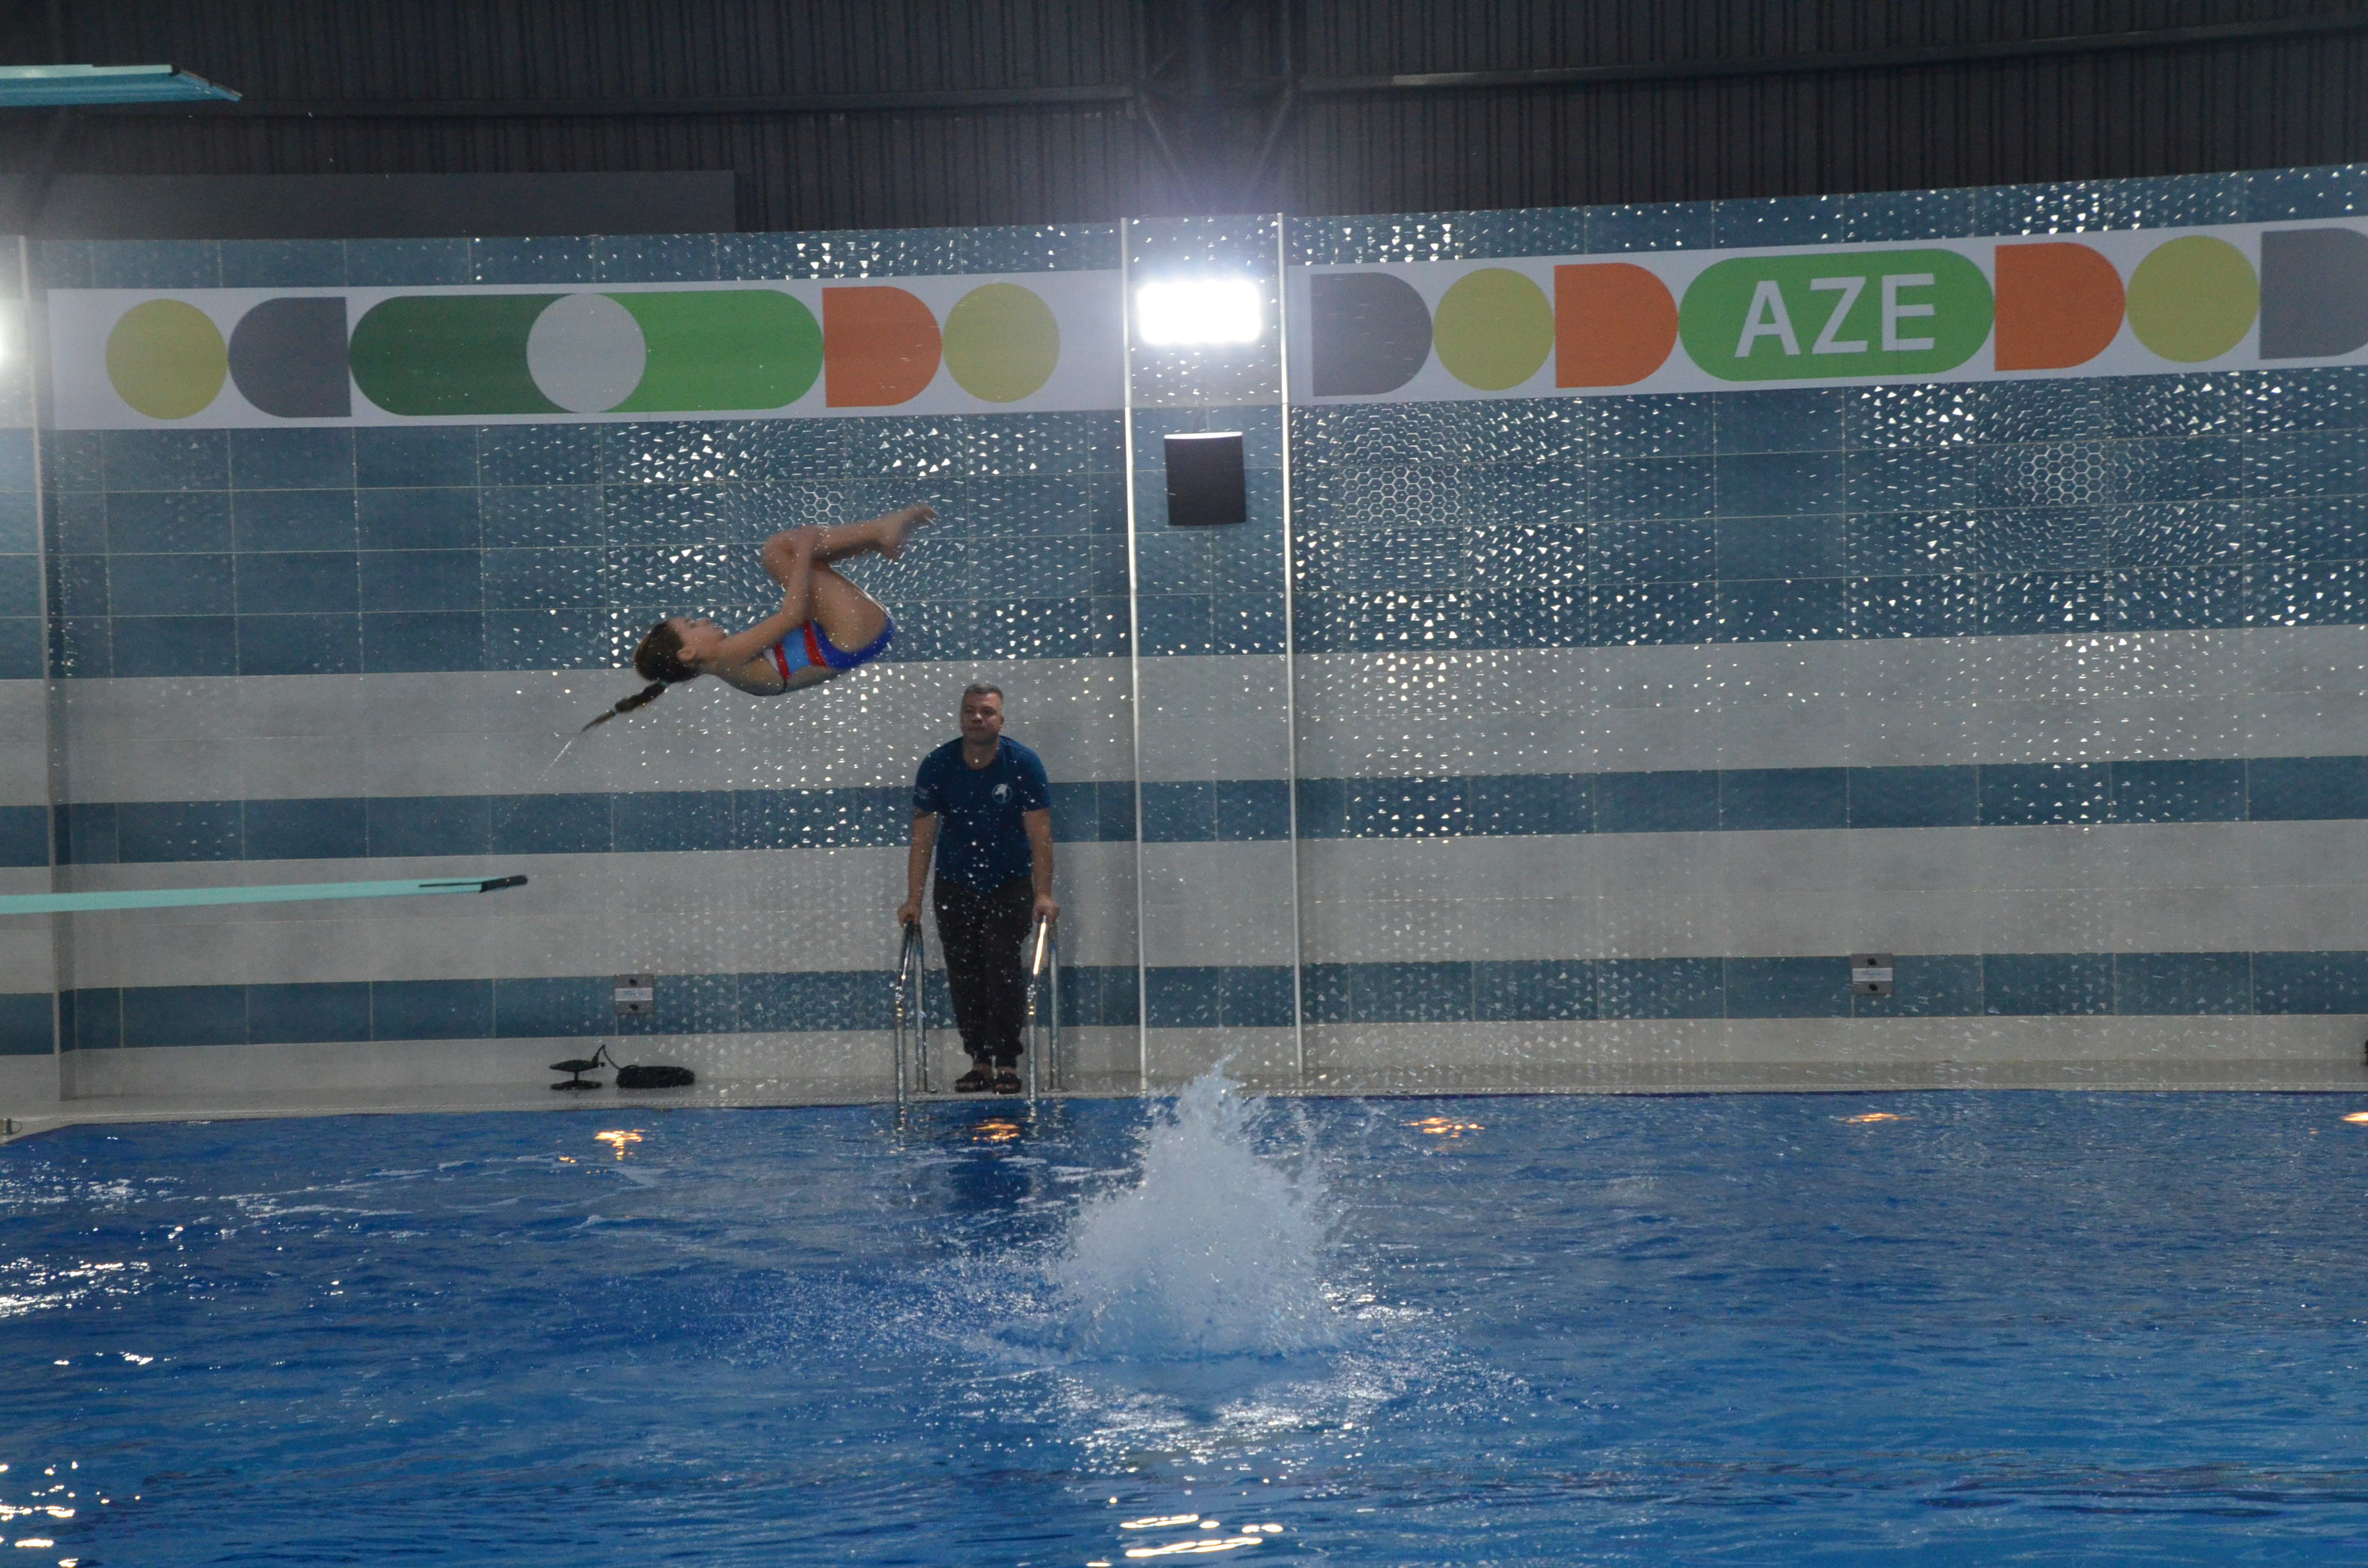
847,616
836,541
790,559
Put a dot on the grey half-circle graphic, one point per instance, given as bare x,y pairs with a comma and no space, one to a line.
2314,292
1371,332
288,358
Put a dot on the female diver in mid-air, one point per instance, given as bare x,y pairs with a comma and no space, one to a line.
826,626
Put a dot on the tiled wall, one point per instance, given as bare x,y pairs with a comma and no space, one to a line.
1766,678
1622,709
1611,725
284,653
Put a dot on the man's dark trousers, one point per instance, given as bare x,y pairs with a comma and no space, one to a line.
983,934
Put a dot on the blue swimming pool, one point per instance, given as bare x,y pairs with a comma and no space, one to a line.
1961,1328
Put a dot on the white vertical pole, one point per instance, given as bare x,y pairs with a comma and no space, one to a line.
1289,652
53,697
1134,657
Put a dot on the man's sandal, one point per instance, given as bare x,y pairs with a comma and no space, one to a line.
977,1081
1006,1082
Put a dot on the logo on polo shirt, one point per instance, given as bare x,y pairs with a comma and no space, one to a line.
1002,793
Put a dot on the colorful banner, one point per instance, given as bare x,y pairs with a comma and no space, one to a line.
126,358
2123,303
2128,302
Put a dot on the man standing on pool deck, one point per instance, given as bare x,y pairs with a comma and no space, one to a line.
982,802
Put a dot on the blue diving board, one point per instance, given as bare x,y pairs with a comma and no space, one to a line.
55,86
283,892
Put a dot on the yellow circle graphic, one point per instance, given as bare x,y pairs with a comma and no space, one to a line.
2193,299
1001,343
166,359
1493,329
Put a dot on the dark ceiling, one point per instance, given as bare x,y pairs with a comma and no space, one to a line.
836,113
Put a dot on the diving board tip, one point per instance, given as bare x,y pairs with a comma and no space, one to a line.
284,892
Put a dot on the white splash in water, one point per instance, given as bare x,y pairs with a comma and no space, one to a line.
1214,1250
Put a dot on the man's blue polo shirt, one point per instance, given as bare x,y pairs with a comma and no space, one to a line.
981,843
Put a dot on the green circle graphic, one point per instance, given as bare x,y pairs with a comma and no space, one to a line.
166,359
1001,343
2193,299
1493,329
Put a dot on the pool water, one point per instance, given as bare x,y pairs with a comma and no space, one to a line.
1960,1328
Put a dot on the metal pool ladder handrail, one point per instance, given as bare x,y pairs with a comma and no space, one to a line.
912,993
1045,1003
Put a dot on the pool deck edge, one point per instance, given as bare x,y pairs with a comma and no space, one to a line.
1814,1078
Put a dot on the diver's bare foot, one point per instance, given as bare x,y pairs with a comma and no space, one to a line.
898,526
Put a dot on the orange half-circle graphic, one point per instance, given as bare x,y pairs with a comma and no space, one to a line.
880,347
2058,305
1614,325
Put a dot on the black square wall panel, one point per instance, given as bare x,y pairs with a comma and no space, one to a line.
1204,480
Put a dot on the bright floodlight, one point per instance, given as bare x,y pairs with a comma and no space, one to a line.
1199,309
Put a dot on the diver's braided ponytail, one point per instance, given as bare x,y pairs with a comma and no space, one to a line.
659,659
640,698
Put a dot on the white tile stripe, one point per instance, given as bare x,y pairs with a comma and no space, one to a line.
2201,887
722,912
292,737
24,743
2204,886
2147,1052
2273,691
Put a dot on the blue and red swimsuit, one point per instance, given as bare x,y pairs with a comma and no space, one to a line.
808,648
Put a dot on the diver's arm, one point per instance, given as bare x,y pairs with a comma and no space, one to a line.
788,557
743,646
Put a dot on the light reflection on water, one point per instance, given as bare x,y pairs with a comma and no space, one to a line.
1759,1329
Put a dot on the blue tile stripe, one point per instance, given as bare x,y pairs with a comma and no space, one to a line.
24,835
1969,985
2286,789
2257,196
25,1027
320,551
2011,509
2003,509
2276,788
2176,201
1928,986
579,258
1759,800
344,827
575,1006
